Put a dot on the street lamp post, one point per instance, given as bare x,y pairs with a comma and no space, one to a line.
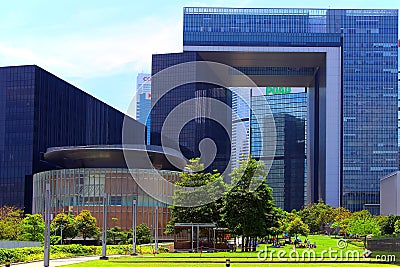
156,231
46,261
134,227
104,233
61,234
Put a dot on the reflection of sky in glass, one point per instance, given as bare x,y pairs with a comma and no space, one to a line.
288,174
240,145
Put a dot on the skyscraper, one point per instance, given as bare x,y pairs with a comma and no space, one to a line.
347,60
240,125
39,110
288,174
143,101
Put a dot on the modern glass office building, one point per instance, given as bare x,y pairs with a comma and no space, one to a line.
39,110
288,174
398,105
198,127
143,101
240,144
347,60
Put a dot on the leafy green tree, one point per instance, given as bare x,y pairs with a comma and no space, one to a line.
397,227
387,224
298,227
66,223
114,233
279,219
10,223
33,228
86,225
125,238
362,224
143,234
204,212
286,219
318,216
341,220
249,213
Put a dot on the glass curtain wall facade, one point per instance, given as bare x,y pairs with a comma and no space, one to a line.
398,105
368,41
143,102
193,132
369,94
240,125
74,190
39,110
288,174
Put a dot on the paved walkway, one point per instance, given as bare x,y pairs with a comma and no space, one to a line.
57,262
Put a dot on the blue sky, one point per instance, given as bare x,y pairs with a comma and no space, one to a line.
101,46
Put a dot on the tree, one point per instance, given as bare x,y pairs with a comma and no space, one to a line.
397,227
286,219
33,228
143,234
86,224
246,212
298,227
362,224
387,224
318,216
205,211
279,218
66,223
341,219
10,223
114,233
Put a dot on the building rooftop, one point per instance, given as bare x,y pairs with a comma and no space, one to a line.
116,156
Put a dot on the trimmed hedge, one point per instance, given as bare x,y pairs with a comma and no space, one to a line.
20,254
66,251
57,251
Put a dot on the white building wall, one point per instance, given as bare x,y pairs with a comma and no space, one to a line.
390,194
332,133
333,125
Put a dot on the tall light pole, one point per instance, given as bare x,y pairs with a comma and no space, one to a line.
47,227
134,215
156,231
61,234
104,233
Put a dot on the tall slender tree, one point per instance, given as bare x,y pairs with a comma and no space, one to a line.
86,224
66,224
208,186
249,213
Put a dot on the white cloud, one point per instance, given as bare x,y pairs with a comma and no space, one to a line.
97,51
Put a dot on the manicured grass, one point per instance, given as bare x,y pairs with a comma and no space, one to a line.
247,259
99,263
324,244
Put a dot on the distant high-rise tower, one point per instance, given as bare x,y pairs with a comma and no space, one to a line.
398,102
143,101
240,145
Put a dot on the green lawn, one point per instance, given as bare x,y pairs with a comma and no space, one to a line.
99,263
324,244
322,258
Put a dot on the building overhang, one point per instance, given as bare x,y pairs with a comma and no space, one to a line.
139,157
